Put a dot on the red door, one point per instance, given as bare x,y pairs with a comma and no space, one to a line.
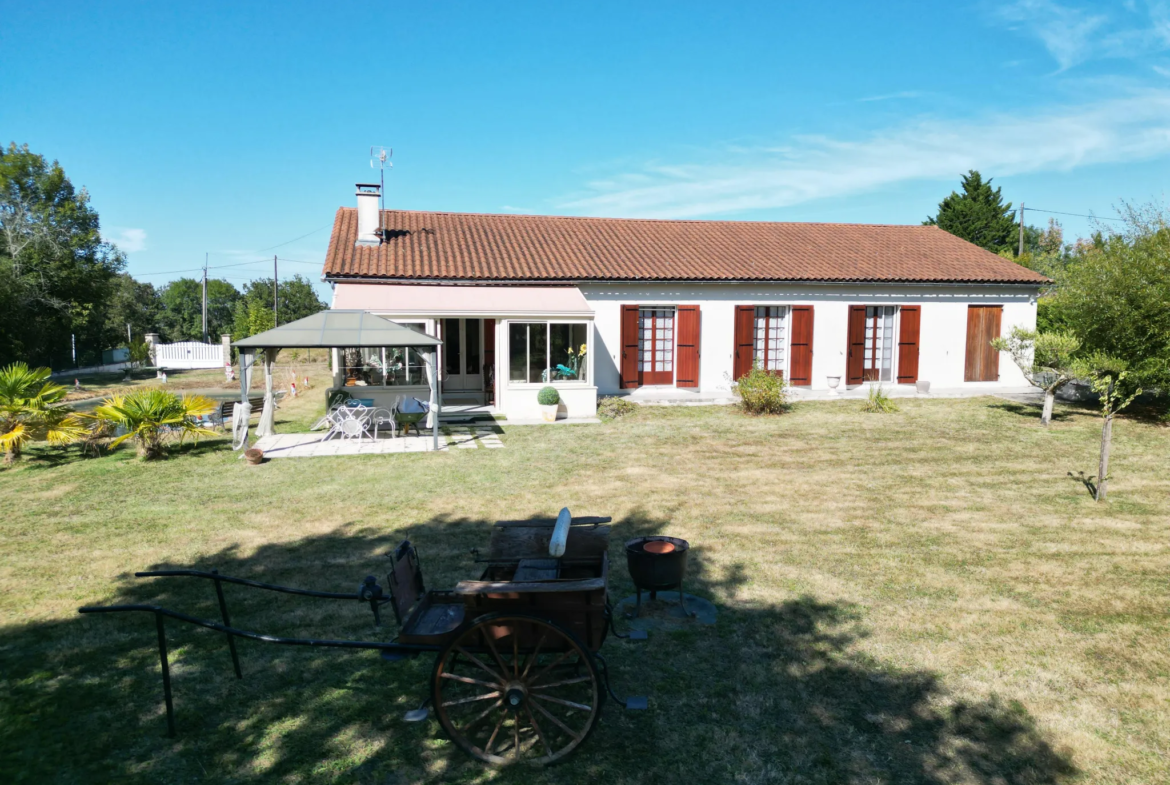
745,340
655,346
800,364
629,365
854,368
908,344
689,336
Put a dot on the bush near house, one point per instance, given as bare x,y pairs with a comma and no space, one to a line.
762,392
548,396
878,402
613,407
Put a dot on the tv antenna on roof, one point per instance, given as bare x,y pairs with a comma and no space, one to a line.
380,159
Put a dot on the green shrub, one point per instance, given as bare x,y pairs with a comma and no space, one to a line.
548,396
878,402
762,392
614,407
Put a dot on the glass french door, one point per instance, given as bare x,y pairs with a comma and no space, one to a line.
878,359
656,346
462,354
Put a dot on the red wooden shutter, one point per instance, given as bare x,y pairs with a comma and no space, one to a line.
629,363
854,364
801,354
745,340
689,332
908,344
983,322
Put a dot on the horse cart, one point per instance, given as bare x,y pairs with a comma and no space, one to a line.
517,674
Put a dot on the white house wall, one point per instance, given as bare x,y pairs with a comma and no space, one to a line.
942,341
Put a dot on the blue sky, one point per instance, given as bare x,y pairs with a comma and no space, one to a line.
230,128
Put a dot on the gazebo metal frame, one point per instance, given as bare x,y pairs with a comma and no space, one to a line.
332,329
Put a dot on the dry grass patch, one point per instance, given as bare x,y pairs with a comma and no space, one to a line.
920,597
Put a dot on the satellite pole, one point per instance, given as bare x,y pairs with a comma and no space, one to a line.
382,155
275,298
205,339
1021,253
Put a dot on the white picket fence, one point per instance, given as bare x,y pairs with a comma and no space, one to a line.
188,354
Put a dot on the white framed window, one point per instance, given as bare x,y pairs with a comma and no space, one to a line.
656,340
771,327
548,352
878,358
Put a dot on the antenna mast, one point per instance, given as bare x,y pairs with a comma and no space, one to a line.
381,156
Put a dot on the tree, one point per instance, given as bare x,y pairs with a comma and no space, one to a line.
1047,360
149,416
30,411
297,300
182,301
56,273
132,303
1110,384
1115,294
978,215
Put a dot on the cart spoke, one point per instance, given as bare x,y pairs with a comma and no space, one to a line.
551,665
469,680
570,704
576,680
535,652
499,677
539,732
484,697
575,736
492,648
492,739
481,717
515,654
516,737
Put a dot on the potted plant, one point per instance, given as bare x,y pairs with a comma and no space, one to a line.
550,401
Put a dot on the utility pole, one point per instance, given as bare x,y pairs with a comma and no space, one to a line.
205,338
1021,253
129,338
275,297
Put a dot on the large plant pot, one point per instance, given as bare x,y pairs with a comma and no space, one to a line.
923,388
549,413
254,456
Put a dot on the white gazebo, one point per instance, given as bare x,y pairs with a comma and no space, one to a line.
334,329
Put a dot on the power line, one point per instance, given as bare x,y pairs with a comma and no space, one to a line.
1078,215
302,237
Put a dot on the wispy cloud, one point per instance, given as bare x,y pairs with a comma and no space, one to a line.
1073,35
905,94
128,240
1133,127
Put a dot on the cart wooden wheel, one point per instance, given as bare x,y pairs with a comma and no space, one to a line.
517,688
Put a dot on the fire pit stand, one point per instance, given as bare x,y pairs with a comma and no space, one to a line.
658,563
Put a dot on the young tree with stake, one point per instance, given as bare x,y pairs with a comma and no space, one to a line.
1046,360
1109,383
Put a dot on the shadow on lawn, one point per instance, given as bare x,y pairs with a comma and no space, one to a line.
775,693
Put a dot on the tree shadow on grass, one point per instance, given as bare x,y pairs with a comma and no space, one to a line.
770,693
1033,410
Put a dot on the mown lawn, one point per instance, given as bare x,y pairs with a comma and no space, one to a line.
921,597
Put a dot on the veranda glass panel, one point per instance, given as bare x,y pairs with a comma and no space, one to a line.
567,352
538,353
518,352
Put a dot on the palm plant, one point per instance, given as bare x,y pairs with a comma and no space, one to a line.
150,416
29,411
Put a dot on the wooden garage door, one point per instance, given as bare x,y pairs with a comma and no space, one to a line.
982,360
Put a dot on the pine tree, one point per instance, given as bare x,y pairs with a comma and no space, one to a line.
978,215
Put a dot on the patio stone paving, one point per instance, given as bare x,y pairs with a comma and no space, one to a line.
310,445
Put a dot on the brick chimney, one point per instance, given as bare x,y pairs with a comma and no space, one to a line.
368,195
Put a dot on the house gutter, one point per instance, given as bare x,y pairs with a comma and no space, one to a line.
672,281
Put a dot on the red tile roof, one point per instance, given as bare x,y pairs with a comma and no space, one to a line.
471,246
